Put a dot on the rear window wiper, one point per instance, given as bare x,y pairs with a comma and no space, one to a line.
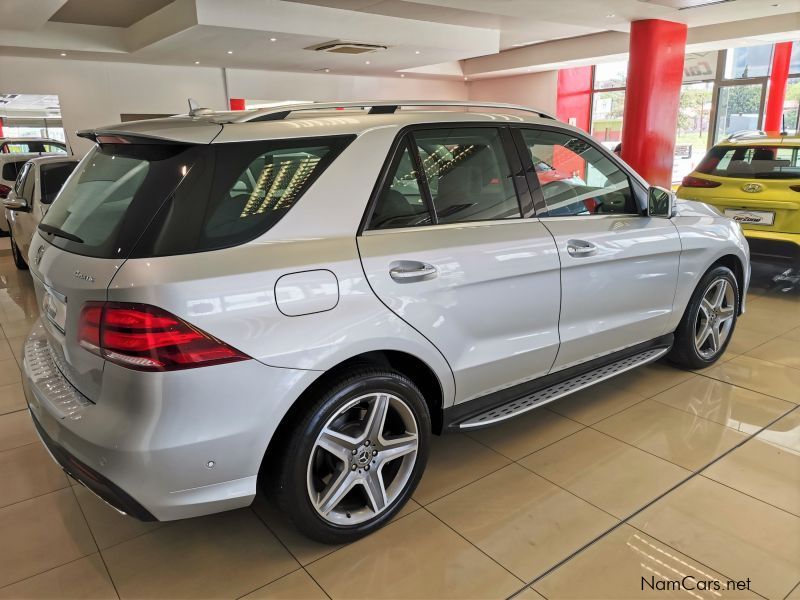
52,230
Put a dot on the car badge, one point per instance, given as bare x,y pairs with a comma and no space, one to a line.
39,252
752,187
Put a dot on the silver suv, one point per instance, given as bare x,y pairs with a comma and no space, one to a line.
301,296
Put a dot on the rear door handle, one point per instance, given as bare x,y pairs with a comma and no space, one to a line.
581,248
410,271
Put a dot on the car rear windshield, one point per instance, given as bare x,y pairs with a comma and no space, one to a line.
157,199
53,176
752,162
11,169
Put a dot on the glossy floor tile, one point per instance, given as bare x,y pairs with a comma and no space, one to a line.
297,585
610,474
629,564
12,398
682,438
784,432
521,520
729,531
781,350
417,556
761,376
26,472
735,407
652,379
225,555
16,429
82,579
595,403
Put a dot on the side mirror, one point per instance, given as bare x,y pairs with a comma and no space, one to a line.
660,202
14,203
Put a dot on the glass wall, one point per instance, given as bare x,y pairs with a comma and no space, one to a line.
608,102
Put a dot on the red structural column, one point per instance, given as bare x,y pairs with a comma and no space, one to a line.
574,99
776,92
237,104
655,72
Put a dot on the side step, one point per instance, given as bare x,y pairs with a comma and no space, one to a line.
559,390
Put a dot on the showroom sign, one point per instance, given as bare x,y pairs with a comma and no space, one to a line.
699,66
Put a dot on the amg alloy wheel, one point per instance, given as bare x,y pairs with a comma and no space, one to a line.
353,457
715,318
362,459
709,320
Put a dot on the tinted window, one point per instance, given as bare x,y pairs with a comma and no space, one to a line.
400,203
467,174
159,199
52,177
11,170
752,162
576,178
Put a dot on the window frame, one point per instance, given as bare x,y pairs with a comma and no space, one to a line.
405,138
638,190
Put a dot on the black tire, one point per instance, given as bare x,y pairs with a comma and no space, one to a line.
293,490
19,262
684,351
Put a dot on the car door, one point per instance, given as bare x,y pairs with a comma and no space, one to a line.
24,187
619,267
446,248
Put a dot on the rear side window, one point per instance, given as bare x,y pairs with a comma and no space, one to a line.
52,177
401,203
146,199
11,169
752,162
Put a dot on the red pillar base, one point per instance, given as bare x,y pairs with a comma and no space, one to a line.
655,73
237,104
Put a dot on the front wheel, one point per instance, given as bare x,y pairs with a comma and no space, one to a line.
19,262
708,323
356,457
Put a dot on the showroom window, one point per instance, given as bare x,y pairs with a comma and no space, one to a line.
575,177
608,102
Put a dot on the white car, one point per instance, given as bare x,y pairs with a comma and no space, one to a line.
38,183
300,297
15,152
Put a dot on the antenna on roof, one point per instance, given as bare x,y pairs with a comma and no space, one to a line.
195,110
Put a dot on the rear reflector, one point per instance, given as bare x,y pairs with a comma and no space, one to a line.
4,190
148,338
696,182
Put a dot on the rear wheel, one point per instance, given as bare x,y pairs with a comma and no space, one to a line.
19,262
708,323
356,457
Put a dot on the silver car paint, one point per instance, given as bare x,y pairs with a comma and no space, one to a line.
153,434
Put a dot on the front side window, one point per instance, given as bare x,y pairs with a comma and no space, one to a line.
21,178
11,169
52,178
575,177
467,173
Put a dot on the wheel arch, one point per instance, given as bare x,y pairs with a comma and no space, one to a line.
409,365
734,263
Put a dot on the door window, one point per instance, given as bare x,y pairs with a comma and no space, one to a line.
575,177
30,179
467,173
401,203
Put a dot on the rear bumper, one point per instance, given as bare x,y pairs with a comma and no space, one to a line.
773,245
161,446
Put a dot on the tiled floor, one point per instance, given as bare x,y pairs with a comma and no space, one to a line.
657,474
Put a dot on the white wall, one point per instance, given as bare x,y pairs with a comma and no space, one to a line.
538,90
96,93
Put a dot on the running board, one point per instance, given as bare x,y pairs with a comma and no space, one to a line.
559,390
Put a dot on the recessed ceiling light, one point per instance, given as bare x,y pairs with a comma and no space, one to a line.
273,39
610,16
366,62
466,78
63,54
402,74
327,70
230,51
416,51
197,62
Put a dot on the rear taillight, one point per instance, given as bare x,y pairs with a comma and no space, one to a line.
696,182
147,338
4,189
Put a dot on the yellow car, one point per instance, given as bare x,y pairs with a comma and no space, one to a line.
754,178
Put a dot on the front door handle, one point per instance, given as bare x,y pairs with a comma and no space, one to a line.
410,271
581,248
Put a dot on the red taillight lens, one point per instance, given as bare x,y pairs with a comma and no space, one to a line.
696,182
4,189
147,338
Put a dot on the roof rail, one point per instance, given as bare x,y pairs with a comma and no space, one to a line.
277,113
744,133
